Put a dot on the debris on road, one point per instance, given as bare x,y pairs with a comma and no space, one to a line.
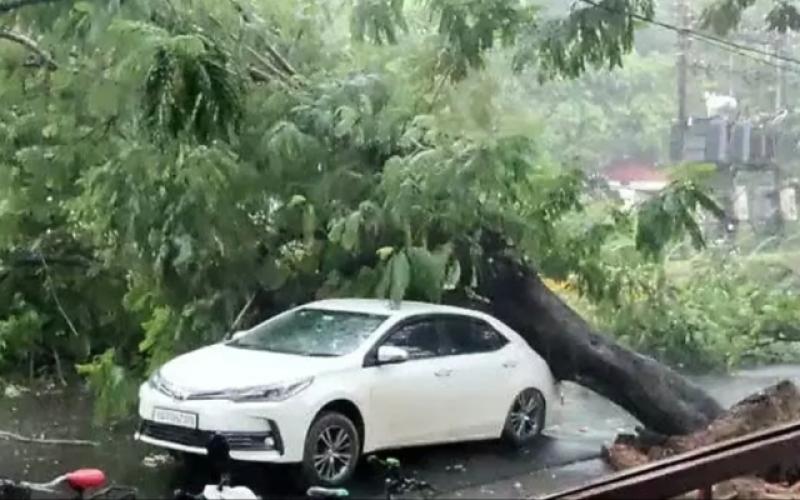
157,460
774,405
14,391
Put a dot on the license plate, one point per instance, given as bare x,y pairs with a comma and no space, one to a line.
174,417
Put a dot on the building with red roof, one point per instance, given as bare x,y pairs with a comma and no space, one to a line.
634,180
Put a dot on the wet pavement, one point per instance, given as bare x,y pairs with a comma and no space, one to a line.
566,457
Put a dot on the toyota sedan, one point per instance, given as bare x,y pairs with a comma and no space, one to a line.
323,384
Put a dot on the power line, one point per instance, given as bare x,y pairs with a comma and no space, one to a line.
787,67
694,33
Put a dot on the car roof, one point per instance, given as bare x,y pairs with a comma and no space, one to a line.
385,307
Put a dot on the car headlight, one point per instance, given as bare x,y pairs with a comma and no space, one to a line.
156,381
262,393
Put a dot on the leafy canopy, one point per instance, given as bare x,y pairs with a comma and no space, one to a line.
191,163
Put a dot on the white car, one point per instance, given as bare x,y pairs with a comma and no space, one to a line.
325,383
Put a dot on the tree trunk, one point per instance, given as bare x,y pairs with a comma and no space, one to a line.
661,399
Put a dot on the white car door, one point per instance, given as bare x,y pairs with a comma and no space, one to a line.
406,403
484,379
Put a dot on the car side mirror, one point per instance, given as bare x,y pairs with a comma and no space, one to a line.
389,355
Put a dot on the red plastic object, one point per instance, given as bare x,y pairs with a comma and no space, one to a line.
86,479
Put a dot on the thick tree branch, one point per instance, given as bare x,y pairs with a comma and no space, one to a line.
282,62
270,68
52,289
657,396
259,75
242,313
24,439
28,43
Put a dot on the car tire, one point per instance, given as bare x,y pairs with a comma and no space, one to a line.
331,452
526,418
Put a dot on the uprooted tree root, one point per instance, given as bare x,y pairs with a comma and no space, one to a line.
778,404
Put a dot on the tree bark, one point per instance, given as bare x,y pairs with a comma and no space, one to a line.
660,398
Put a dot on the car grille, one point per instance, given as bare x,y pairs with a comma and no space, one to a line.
175,434
199,438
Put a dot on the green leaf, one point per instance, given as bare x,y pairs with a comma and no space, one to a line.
350,236
185,251
336,232
382,289
347,118
401,276
428,271
309,224
384,252
296,200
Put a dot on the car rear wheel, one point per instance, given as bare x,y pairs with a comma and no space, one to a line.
525,420
331,451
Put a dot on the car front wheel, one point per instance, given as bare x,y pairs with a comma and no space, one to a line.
525,420
331,451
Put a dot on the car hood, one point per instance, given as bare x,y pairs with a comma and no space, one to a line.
219,367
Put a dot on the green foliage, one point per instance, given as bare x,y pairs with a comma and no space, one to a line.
19,333
720,318
377,20
190,87
111,384
784,17
593,36
670,215
470,28
187,156
722,16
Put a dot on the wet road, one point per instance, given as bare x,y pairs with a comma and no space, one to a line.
566,457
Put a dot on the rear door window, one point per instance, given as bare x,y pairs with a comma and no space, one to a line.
470,336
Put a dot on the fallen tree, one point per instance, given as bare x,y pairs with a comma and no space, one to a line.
656,395
291,173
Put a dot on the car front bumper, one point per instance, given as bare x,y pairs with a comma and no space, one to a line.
256,432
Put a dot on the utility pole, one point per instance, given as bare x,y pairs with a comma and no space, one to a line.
682,10
780,84
731,74
780,103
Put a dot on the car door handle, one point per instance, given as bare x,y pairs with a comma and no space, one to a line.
443,373
510,364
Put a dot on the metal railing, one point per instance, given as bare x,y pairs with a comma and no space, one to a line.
700,469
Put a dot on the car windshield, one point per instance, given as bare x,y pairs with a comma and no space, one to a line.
312,332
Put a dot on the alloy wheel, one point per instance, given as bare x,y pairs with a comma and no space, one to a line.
525,414
333,453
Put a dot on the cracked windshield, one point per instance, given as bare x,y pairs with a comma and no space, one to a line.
398,249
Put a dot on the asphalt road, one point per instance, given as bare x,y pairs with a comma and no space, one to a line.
568,456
